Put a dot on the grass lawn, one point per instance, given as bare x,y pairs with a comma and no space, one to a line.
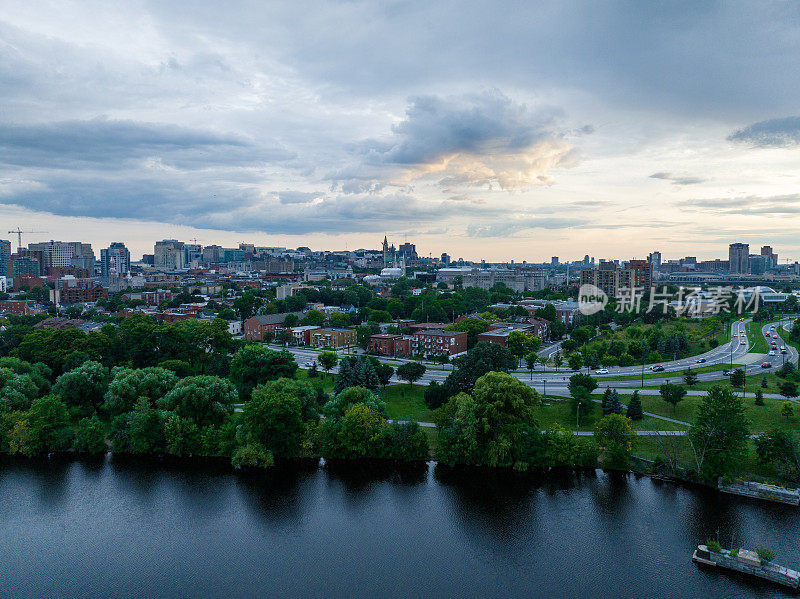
658,375
758,344
404,403
560,412
762,418
326,380
753,382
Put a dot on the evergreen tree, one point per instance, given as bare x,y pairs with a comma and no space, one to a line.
312,372
343,379
614,404
635,407
606,401
759,397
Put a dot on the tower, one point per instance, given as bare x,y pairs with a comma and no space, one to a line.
385,250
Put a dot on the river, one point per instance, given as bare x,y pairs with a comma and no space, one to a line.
127,528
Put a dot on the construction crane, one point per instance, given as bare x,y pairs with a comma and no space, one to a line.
19,233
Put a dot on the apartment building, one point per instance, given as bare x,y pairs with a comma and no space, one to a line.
333,338
439,343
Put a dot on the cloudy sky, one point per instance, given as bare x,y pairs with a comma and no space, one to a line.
488,130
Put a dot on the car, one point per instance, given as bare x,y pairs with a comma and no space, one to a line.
743,343
727,372
783,351
766,365
657,368
772,328
772,352
701,361
309,364
736,334
766,334
602,371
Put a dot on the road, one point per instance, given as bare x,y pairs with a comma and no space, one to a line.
553,382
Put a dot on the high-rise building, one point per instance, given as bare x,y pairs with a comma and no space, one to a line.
554,261
212,254
408,250
115,259
169,254
446,258
194,253
758,264
654,258
771,257
739,258
65,253
5,256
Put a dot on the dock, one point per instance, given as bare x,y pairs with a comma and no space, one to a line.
747,562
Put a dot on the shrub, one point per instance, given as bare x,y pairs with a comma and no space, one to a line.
713,546
787,411
252,455
766,555
759,401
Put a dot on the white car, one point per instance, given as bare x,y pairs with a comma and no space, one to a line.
743,343
772,352
602,371
736,334
309,364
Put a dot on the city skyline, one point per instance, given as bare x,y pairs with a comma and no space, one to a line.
605,130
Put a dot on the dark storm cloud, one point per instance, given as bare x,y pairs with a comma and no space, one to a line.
774,133
487,123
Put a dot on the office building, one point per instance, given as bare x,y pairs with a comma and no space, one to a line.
5,255
654,258
770,256
169,254
739,258
115,259
64,253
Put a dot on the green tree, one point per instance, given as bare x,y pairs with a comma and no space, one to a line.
255,364
558,360
275,421
481,359
787,411
252,455
129,384
788,388
672,394
84,386
48,425
410,372
635,407
615,435
203,399
575,360
530,361
337,406
496,427
689,377
328,360
384,372
738,378
90,436
314,318
719,434
340,320
759,400
306,393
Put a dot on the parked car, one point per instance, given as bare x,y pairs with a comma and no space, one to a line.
657,368
701,361
766,365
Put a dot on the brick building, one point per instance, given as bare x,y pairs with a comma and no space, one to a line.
438,343
387,344
333,338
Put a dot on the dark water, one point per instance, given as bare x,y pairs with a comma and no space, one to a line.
73,529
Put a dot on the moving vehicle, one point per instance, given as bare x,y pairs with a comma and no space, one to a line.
743,343
766,365
772,352
701,361
783,351
766,334
657,368
309,364
602,371
727,372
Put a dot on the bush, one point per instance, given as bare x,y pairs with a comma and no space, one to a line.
252,455
436,395
713,546
766,555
